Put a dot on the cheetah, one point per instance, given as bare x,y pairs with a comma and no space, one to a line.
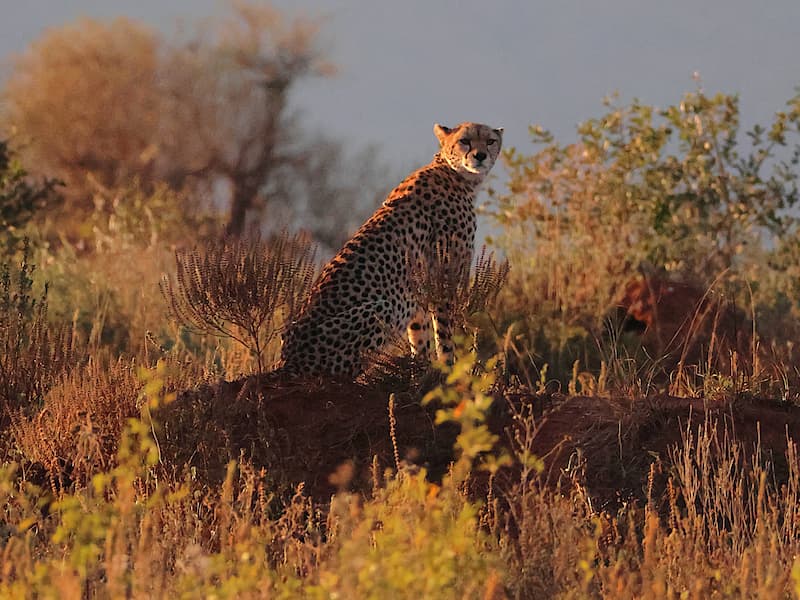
363,298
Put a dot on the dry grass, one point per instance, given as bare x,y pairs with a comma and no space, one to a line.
32,353
172,482
240,494
711,514
76,433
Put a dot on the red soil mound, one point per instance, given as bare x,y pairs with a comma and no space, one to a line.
302,432
615,441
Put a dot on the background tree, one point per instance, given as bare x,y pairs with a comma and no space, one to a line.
83,103
329,194
227,97
103,104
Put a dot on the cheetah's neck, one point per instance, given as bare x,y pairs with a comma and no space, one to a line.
471,180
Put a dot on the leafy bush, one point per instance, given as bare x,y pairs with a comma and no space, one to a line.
20,199
672,190
412,540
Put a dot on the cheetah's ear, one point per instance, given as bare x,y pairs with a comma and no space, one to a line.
499,132
441,132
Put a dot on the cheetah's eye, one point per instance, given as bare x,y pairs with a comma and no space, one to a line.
490,142
464,142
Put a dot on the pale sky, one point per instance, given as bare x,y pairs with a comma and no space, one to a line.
405,65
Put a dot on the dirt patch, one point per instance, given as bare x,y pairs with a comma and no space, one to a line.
300,431
304,431
615,441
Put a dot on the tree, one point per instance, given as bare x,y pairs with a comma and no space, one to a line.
83,102
102,104
235,82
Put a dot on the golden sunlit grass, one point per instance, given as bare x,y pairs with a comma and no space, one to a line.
712,510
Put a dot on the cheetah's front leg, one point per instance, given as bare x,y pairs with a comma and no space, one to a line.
419,333
443,334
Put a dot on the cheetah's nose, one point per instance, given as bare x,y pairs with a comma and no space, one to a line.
480,156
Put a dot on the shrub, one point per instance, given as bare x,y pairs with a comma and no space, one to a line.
413,540
20,199
76,433
466,295
672,189
243,290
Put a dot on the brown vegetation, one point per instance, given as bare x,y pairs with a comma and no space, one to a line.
246,290
76,433
682,322
32,352
631,483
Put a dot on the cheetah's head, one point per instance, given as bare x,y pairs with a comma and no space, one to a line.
469,148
